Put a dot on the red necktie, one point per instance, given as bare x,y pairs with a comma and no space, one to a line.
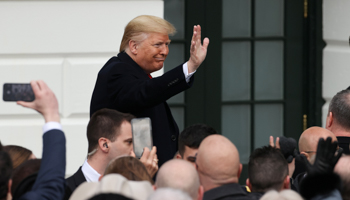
149,75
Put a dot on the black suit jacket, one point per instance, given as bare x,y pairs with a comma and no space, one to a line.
344,143
73,182
228,192
50,183
123,85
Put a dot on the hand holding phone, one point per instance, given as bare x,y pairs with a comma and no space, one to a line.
141,135
18,92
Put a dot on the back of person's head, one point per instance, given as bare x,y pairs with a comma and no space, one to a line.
217,162
18,154
283,195
193,135
138,28
179,174
169,194
340,109
24,177
267,169
129,167
113,186
342,168
308,141
5,174
105,123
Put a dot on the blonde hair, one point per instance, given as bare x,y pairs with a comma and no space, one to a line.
138,28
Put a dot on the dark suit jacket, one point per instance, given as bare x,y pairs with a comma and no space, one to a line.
122,85
73,182
50,182
228,192
344,143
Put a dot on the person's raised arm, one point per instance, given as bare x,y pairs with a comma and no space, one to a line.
198,52
45,101
50,182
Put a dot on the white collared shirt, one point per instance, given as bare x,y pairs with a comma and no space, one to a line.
90,174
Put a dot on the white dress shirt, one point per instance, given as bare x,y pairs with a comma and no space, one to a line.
90,174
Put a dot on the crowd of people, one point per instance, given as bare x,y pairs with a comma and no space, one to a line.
196,164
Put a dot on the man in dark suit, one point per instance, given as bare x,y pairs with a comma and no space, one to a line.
338,119
109,136
49,183
219,168
124,82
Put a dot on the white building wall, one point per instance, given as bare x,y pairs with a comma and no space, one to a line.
64,43
336,55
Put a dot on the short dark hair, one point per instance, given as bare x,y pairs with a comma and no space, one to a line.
340,108
193,135
5,173
267,169
105,123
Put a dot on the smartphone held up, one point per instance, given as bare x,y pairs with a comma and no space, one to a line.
141,135
18,92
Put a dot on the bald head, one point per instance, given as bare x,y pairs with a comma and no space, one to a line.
309,138
179,174
217,161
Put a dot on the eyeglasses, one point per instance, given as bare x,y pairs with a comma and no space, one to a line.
338,149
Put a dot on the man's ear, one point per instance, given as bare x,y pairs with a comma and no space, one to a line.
104,144
99,179
9,185
247,182
200,192
178,156
133,46
240,170
306,155
329,121
286,183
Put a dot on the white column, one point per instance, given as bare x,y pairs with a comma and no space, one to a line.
336,55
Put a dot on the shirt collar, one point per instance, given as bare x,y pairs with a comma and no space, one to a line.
91,175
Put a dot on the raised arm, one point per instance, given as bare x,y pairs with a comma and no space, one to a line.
50,181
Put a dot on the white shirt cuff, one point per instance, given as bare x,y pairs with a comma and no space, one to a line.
187,75
50,126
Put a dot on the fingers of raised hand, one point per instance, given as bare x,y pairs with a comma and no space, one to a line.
278,143
145,155
271,141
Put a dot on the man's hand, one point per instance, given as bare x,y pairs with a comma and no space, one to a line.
277,142
198,51
150,160
326,157
45,102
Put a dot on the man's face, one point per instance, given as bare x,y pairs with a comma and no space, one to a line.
151,52
122,145
190,154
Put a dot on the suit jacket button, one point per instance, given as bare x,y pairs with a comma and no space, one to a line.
173,137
